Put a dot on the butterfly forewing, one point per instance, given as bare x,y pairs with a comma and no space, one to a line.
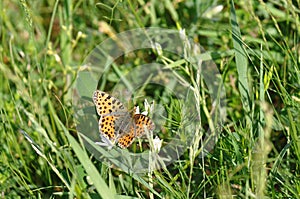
106,104
110,110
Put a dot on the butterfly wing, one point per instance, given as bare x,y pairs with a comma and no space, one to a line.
141,122
137,129
126,139
111,112
116,123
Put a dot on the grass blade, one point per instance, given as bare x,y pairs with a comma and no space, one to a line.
241,60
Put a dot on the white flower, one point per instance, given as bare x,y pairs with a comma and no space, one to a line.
137,110
212,11
148,107
157,47
182,34
157,144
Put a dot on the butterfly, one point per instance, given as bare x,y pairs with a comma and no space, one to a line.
116,124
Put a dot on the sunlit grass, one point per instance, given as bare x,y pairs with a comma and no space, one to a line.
255,46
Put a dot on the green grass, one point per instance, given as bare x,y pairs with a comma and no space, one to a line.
255,46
